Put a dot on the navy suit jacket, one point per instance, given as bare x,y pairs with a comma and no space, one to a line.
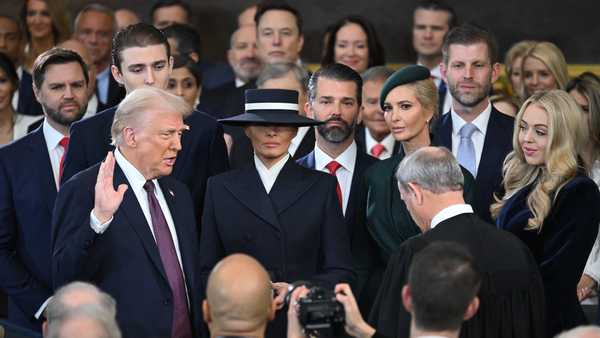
496,145
116,93
27,194
203,151
362,245
124,261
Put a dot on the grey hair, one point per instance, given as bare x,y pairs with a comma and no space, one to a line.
107,322
377,73
138,102
279,70
96,7
433,168
580,332
59,305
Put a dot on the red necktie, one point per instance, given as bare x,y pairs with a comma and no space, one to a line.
64,142
333,166
181,326
377,150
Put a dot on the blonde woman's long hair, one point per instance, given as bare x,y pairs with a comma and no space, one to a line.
565,138
551,56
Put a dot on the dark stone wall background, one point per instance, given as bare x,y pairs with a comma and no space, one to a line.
572,25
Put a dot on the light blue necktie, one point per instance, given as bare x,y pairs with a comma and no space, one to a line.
466,148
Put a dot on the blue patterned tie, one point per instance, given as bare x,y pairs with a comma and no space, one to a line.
466,148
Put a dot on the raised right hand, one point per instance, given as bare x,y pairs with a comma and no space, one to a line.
107,199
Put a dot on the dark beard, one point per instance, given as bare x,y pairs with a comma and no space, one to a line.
61,119
336,134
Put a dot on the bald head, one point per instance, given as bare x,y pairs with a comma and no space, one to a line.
581,332
239,296
125,17
77,294
246,17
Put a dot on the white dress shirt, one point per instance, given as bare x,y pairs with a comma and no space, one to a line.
239,83
136,184
92,107
269,175
478,136
449,212
295,144
387,142
344,174
55,150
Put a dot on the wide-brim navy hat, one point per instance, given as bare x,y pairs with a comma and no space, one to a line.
270,106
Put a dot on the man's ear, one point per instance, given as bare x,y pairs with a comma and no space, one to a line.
129,137
272,310
443,71
472,308
417,192
45,328
407,298
308,110
116,74
206,312
36,93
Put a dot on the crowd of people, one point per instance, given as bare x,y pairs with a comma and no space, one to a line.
146,192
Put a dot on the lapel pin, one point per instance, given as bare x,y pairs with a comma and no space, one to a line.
171,192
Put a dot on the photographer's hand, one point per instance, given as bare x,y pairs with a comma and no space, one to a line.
355,324
294,327
281,290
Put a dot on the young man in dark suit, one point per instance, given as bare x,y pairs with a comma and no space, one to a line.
141,57
30,171
334,98
477,134
284,215
128,227
512,294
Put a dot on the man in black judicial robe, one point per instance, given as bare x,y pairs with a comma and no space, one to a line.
511,295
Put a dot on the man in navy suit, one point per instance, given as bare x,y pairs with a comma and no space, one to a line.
335,99
141,57
477,134
128,227
29,176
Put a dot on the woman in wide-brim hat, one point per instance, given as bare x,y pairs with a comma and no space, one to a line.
284,215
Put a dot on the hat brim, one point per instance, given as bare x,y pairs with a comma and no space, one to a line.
278,118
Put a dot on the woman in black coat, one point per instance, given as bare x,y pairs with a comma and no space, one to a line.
284,215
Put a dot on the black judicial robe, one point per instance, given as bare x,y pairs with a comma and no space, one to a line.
511,294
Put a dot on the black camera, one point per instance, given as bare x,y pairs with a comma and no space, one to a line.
319,313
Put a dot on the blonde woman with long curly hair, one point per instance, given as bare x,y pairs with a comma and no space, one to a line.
549,202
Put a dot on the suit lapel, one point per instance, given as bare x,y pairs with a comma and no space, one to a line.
491,153
41,159
130,208
443,132
306,145
290,185
249,190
